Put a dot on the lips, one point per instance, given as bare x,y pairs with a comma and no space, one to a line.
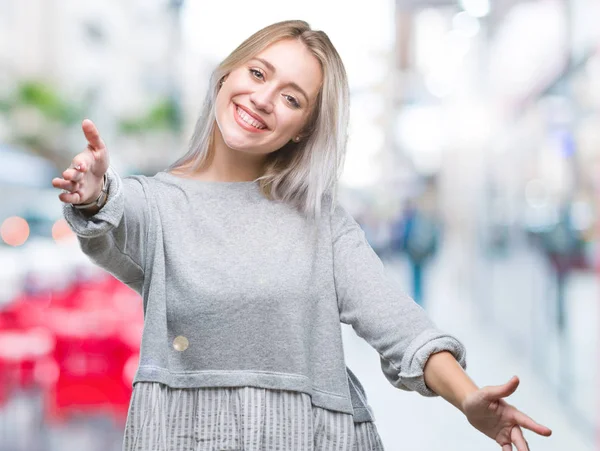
254,116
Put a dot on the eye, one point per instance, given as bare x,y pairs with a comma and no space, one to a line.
292,101
257,74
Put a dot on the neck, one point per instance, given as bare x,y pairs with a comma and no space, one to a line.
229,165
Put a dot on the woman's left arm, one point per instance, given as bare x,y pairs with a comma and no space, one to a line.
415,355
484,408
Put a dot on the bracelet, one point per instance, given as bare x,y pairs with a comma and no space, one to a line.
100,201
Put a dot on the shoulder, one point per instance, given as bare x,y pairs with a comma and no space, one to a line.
340,219
135,186
156,182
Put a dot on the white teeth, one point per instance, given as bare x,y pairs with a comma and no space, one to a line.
249,119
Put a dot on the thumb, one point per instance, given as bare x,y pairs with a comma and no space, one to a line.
501,391
91,134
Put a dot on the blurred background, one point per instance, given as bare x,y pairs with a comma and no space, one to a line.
473,148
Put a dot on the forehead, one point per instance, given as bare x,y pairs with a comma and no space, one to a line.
294,63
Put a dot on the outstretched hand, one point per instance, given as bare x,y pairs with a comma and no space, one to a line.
82,181
489,413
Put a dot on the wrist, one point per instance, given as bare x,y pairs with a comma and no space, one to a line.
98,201
444,376
465,396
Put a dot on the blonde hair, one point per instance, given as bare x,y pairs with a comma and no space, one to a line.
297,173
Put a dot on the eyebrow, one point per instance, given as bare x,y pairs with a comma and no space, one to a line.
292,84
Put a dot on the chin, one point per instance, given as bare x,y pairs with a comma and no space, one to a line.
238,143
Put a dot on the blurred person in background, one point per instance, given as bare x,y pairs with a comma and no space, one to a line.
564,248
247,264
421,237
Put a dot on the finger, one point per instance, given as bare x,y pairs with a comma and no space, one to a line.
75,175
516,435
82,162
525,421
501,391
91,134
72,175
70,198
507,447
78,163
64,184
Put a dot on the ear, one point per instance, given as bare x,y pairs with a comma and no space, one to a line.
301,135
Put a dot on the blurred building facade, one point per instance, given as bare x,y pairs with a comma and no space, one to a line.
499,101
115,62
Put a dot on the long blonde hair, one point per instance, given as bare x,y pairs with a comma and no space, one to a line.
298,173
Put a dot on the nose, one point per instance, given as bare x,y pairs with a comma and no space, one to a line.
262,99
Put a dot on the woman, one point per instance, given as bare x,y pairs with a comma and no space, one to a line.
247,264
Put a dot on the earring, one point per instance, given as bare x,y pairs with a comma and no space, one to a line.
297,139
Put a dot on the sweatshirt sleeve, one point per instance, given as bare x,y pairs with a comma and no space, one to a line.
115,237
381,313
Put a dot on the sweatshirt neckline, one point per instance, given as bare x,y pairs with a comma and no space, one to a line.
183,181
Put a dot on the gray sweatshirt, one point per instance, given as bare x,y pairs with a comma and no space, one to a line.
239,290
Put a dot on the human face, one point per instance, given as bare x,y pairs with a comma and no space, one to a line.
266,102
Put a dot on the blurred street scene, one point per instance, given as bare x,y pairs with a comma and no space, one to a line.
472,166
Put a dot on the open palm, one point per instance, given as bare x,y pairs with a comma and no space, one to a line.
489,413
82,181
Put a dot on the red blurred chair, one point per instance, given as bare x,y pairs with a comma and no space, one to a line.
79,344
95,343
21,351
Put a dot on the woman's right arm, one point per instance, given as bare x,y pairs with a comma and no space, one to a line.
113,236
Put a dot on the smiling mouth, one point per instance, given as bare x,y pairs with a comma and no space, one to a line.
248,120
